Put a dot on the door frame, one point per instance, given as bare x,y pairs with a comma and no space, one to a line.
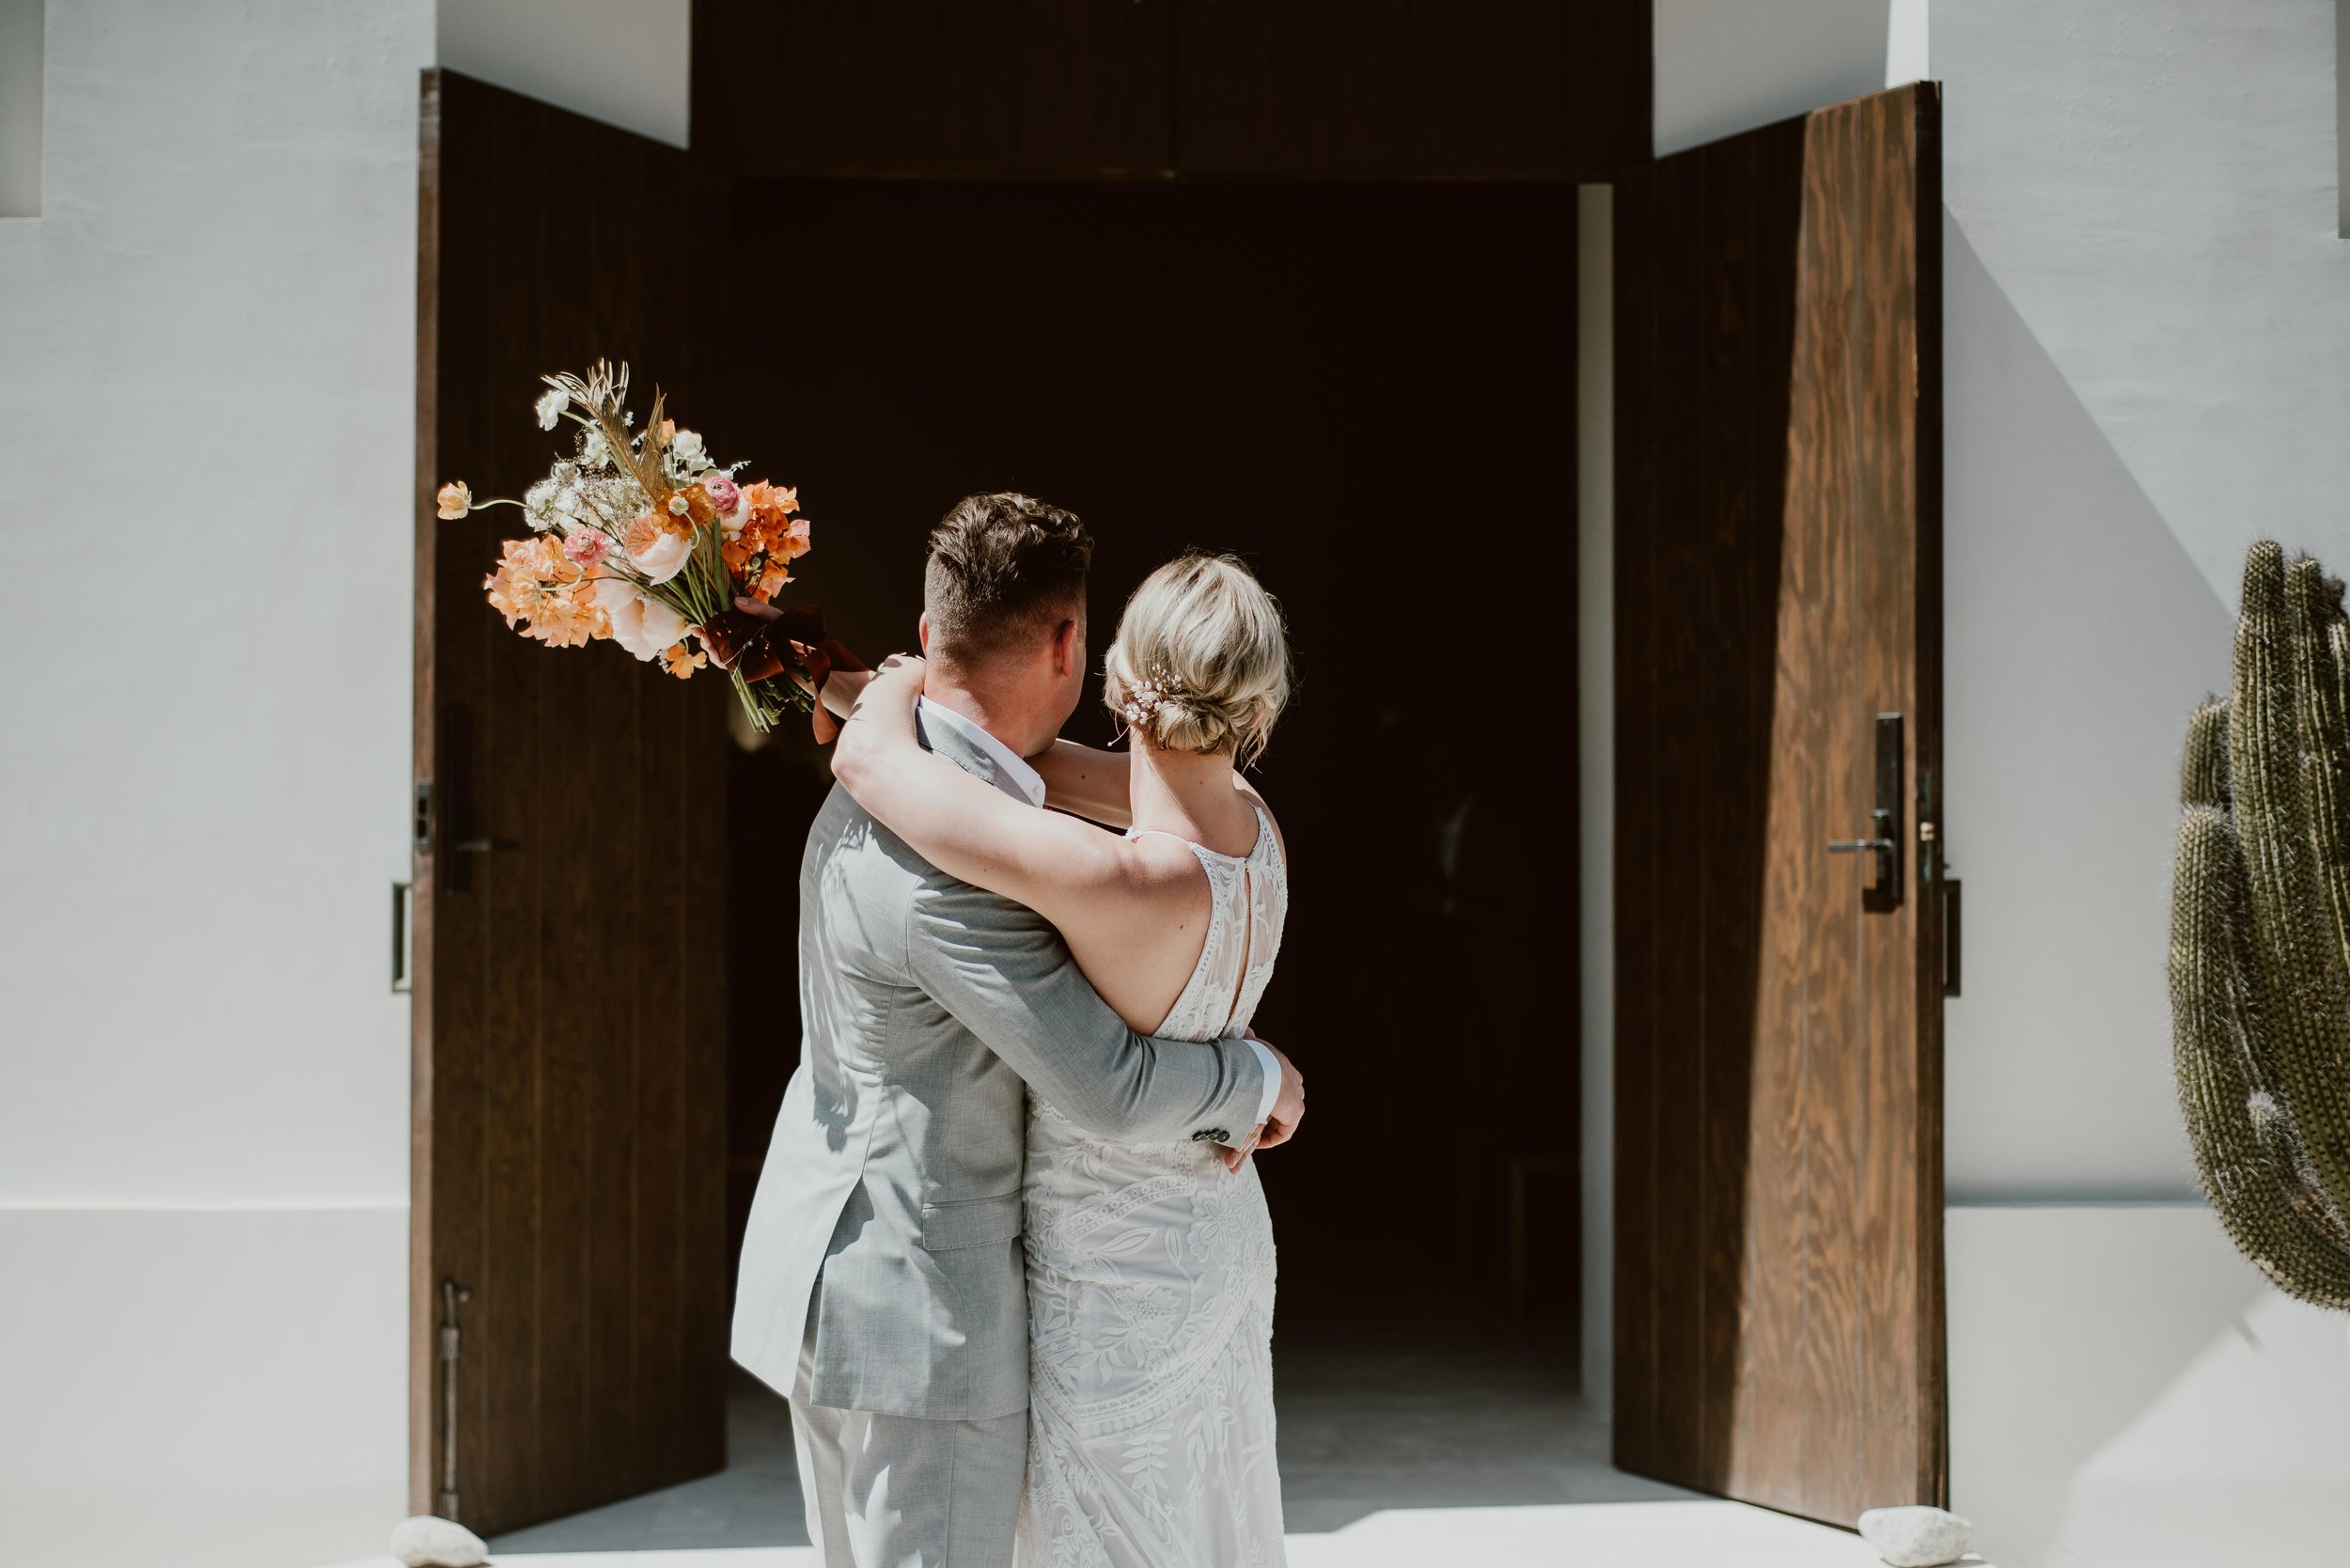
425,1314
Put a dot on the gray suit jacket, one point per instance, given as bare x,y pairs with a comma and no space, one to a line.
890,1202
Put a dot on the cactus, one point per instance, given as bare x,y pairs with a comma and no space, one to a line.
2260,935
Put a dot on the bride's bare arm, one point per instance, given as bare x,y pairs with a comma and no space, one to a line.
1098,785
841,688
1057,866
1086,783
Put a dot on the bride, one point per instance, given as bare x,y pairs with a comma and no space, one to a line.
1151,1267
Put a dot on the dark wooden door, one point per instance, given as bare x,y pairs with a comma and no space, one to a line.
570,1003
1778,1310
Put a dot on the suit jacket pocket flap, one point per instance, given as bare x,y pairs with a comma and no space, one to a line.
970,1222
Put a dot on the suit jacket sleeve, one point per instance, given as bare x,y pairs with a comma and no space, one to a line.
1003,972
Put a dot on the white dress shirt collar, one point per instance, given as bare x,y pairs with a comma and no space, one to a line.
1026,779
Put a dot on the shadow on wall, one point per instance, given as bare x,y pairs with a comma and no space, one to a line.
2125,1389
2079,636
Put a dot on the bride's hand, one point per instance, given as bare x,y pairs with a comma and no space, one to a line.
899,679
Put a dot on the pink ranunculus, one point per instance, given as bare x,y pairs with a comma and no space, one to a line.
585,546
640,623
727,496
663,555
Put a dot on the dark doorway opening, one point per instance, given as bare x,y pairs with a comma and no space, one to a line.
1366,390
1369,392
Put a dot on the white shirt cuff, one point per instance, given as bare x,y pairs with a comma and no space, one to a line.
1272,1076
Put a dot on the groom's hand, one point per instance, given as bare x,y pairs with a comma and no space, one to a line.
1280,1123
1289,1109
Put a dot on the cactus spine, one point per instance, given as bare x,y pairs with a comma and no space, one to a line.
2260,933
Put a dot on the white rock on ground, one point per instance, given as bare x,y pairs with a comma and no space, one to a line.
427,1541
1916,1537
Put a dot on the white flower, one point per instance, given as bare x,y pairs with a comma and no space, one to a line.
686,446
640,623
664,558
595,454
542,503
550,407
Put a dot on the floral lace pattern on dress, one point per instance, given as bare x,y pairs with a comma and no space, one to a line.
1151,1282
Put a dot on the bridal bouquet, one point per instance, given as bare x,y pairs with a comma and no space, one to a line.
640,538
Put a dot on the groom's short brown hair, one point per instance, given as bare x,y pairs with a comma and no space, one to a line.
1004,568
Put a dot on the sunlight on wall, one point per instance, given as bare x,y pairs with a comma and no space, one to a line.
625,62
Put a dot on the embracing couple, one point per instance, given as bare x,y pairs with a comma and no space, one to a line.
1010,1258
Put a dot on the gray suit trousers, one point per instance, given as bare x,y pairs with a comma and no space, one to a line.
905,1492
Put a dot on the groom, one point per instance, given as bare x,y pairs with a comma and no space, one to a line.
882,1285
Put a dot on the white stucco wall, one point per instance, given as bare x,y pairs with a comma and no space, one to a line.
207,375
625,62
2148,336
207,390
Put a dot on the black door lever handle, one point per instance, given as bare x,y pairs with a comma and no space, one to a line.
1886,891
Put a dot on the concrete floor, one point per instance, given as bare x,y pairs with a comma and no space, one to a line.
1421,1433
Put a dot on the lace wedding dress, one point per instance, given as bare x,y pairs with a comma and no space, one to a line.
1150,1303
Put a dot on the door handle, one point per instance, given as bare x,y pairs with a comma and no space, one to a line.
447,811
1884,820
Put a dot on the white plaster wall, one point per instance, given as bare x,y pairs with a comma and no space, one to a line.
1727,66
2148,338
626,62
2149,343
2126,1393
207,374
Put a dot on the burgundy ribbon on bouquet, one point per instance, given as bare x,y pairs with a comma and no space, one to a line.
748,643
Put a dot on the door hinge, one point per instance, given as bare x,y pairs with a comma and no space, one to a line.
453,1296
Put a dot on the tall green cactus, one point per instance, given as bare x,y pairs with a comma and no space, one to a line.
2260,933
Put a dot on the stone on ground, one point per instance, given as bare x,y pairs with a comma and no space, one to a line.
1916,1537
427,1541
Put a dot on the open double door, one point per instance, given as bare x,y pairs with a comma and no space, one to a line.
1780,903
1779,1291
567,1289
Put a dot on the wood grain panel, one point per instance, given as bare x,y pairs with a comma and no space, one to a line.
1411,88
1778,1145
566,1002
933,87
1380,89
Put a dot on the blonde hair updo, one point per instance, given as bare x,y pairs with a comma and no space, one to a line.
1202,659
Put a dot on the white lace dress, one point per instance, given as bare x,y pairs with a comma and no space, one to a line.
1150,1303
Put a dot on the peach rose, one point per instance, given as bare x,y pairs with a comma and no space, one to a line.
640,623
657,552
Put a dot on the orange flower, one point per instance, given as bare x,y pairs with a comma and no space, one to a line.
773,577
640,537
454,499
682,660
539,593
